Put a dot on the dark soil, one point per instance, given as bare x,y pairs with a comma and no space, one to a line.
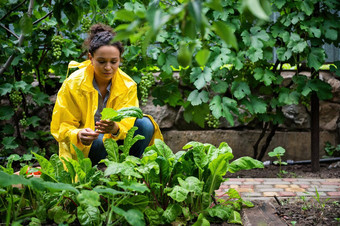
327,170
309,212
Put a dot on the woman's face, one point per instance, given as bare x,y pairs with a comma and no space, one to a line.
105,61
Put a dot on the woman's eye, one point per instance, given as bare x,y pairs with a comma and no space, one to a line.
113,62
101,62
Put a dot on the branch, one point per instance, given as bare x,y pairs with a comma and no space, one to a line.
21,40
42,18
15,8
7,29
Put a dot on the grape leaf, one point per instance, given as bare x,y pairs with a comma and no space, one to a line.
200,78
316,58
197,98
223,107
240,89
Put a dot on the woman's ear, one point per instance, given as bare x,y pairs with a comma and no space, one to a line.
90,57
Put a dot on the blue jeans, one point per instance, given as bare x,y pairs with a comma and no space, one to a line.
145,128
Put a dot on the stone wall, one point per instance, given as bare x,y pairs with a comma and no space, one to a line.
293,134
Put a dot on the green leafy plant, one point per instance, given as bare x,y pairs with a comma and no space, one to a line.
160,188
117,116
278,152
305,205
332,151
321,204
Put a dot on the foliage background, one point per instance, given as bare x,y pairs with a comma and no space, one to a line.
223,51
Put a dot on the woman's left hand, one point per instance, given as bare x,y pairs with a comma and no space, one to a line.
106,126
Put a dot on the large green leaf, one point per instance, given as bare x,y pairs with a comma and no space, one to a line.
6,112
235,218
164,150
90,198
9,180
26,24
195,9
124,15
124,168
5,88
109,191
240,89
133,186
178,193
201,221
221,211
192,184
88,215
9,143
200,78
132,216
264,75
218,168
154,216
172,212
223,108
202,57
46,167
39,184
197,98
244,163
316,58
226,33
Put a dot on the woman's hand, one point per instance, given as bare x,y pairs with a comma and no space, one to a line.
106,126
87,136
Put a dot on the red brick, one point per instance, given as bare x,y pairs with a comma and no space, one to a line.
287,194
331,183
289,179
334,193
223,186
258,180
236,179
246,186
304,186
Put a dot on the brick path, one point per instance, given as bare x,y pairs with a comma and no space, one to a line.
265,188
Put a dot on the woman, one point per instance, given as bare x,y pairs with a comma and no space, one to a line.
98,83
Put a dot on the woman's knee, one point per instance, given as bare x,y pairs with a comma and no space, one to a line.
145,126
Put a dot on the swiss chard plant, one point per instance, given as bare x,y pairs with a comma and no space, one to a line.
159,188
181,186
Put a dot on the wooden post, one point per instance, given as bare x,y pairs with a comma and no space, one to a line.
315,132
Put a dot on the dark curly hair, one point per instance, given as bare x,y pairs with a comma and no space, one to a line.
101,35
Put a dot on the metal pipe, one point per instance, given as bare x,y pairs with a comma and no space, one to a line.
292,162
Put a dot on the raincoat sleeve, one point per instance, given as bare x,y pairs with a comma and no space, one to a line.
129,99
65,123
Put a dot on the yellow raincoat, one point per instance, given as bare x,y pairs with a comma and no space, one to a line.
77,103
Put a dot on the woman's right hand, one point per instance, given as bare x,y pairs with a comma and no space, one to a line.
87,136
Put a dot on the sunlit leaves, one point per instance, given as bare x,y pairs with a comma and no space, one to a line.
222,107
316,58
240,89
9,143
202,56
244,163
200,78
197,98
25,23
255,7
226,33
264,75
5,88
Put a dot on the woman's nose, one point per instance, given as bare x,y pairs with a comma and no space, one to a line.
107,67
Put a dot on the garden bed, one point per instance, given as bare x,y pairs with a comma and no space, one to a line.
312,211
327,170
